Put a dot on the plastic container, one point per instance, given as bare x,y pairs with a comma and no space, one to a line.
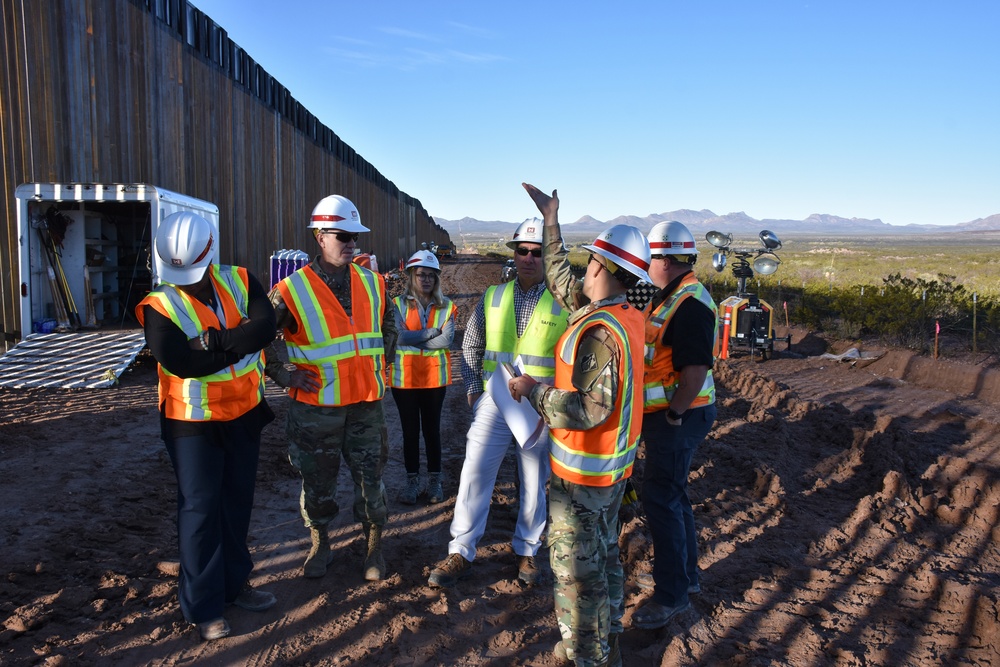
43,326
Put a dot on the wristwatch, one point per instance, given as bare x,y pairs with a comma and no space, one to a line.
673,415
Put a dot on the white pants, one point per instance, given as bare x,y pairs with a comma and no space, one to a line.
487,443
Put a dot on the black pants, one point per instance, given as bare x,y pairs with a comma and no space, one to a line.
420,409
216,468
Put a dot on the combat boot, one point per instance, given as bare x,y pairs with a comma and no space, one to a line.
374,563
320,555
409,495
615,657
435,493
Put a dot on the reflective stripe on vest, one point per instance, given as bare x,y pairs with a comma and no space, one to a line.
345,352
536,344
660,379
232,391
602,455
415,367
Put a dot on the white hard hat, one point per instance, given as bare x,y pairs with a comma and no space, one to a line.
529,231
423,258
336,212
626,247
183,248
671,238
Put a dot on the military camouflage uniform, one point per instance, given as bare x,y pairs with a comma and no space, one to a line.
583,520
319,435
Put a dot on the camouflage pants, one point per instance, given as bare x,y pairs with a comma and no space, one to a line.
589,580
317,437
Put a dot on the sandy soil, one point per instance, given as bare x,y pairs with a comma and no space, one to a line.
847,513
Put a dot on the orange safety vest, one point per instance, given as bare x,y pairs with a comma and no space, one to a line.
346,352
602,455
414,367
660,379
221,396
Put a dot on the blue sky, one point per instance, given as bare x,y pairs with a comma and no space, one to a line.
877,109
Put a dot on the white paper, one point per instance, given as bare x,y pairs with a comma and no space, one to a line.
527,426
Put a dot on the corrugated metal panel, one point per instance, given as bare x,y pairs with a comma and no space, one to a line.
70,360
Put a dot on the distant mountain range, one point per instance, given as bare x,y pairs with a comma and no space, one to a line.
739,224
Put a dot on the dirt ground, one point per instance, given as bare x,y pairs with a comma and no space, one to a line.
847,515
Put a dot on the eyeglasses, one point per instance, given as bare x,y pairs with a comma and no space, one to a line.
343,237
425,276
609,266
523,252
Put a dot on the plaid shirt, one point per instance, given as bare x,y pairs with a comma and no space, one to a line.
474,342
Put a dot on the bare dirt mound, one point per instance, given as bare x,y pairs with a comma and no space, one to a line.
847,516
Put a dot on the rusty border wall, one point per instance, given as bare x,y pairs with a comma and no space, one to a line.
154,91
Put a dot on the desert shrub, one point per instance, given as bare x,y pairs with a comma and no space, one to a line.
899,309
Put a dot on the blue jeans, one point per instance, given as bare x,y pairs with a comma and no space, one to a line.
669,450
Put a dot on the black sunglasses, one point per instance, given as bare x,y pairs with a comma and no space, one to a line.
608,266
523,252
343,237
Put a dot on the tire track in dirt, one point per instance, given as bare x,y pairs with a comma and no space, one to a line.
837,536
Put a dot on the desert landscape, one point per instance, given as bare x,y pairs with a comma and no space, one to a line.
847,512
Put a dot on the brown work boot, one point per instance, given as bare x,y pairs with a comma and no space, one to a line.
320,555
527,570
374,563
447,573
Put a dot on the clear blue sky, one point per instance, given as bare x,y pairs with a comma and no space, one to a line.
883,109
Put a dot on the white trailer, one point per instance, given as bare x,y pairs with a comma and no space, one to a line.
96,239
106,241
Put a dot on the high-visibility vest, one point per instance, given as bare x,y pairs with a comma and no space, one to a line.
345,352
232,391
660,380
536,343
414,367
603,455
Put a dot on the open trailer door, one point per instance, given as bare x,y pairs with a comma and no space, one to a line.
84,260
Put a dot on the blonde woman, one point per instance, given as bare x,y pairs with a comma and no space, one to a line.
421,371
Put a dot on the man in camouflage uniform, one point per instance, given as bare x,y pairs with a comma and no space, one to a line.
594,413
338,331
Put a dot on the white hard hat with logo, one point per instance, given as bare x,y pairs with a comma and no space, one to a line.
184,246
529,231
423,258
624,246
336,212
671,238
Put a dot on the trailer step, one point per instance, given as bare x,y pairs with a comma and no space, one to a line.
86,360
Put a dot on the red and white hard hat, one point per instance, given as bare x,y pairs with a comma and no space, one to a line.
423,258
529,231
184,246
626,247
671,238
336,212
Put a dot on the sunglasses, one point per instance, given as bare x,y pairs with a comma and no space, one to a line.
425,276
343,237
608,266
523,252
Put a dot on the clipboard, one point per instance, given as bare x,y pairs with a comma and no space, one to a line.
512,371
524,423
